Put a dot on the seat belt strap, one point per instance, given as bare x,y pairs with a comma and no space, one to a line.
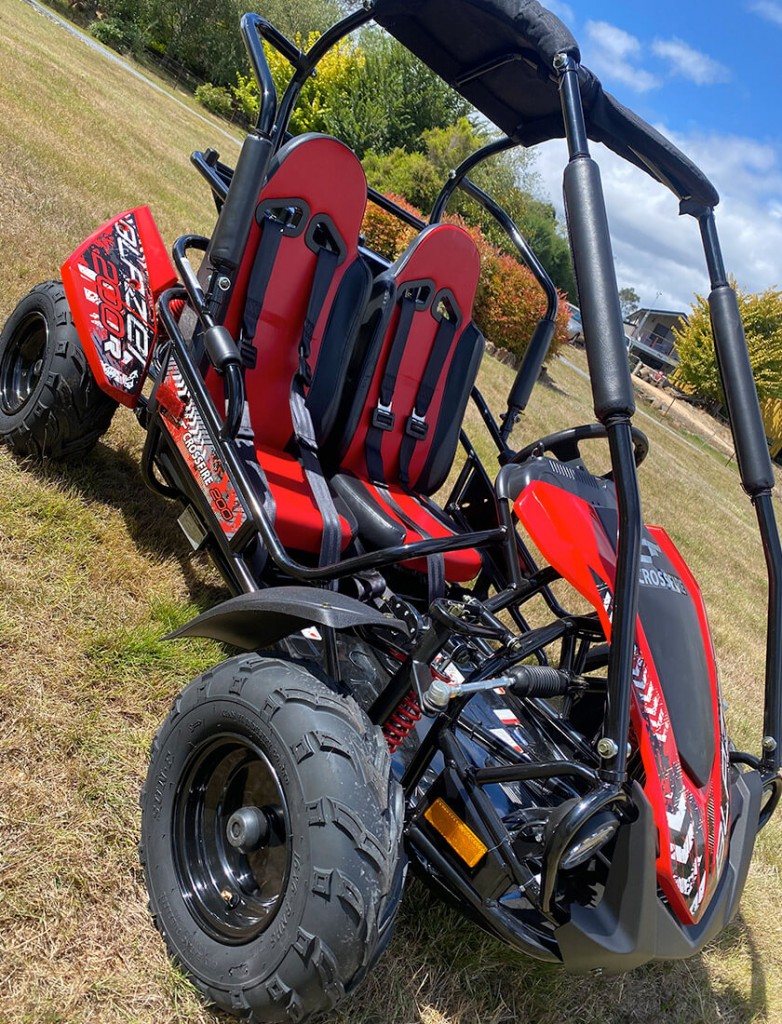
331,541
260,275
382,415
416,427
435,564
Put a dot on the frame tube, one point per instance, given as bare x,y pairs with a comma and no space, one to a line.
612,392
757,474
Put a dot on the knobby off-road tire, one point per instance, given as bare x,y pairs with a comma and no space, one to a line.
281,927
50,403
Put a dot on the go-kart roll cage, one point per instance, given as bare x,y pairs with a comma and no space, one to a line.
548,62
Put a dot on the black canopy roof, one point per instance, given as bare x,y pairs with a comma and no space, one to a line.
499,55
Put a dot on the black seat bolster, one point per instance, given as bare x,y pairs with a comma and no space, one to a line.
339,338
458,385
376,528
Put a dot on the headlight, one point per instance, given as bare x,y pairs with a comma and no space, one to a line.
594,834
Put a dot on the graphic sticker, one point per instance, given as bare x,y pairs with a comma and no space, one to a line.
191,437
111,283
696,853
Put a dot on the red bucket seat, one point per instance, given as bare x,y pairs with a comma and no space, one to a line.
401,420
304,238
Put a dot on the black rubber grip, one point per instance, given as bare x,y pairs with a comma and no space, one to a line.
741,395
236,216
220,347
538,681
601,314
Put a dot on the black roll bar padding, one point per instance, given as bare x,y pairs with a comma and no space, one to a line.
601,314
233,224
593,259
752,455
741,396
529,371
612,393
236,217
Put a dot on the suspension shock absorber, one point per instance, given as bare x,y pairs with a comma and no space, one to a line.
402,721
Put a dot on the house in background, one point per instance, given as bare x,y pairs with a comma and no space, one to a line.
651,336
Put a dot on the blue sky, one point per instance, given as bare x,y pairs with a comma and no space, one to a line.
707,74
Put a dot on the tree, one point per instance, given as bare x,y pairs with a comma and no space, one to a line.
762,316
397,99
508,177
322,98
629,301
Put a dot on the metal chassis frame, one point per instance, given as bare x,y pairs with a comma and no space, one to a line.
614,406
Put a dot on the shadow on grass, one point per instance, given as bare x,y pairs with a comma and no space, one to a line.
112,477
445,969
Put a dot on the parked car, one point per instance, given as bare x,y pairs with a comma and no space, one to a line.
574,328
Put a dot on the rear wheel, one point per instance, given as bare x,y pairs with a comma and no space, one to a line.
271,832
50,403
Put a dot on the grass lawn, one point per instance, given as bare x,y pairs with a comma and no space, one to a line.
94,571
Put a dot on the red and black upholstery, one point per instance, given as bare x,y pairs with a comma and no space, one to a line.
314,199
421,353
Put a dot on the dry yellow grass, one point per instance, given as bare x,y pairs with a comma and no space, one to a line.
94,572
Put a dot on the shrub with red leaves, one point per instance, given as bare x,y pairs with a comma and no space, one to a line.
384,232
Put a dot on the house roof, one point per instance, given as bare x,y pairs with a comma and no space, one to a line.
645,311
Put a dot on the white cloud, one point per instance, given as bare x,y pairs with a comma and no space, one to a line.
563,11
614,54
659,253
690,63
771,10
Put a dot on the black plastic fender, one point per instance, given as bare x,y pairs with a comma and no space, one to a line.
252,621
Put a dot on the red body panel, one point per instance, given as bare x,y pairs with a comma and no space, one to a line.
692,819
112,282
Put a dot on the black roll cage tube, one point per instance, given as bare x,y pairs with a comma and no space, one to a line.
609,376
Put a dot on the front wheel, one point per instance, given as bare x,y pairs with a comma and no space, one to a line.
50,403
271,839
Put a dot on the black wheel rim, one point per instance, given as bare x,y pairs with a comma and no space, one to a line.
21,365
233,895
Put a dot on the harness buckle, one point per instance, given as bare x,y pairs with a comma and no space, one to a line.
382,417
416,426
305,370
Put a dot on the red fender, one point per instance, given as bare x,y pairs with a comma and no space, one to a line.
112,282
578,538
